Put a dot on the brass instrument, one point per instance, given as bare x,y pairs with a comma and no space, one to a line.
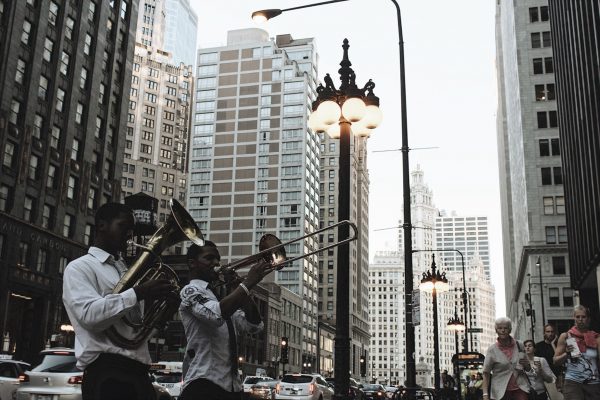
179,226
272,250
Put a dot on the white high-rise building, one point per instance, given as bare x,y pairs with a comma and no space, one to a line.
534,229
386,358
469,235
181,31
254,165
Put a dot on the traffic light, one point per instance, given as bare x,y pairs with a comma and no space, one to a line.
363,366
284,350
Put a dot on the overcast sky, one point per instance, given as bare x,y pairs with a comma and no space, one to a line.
451,95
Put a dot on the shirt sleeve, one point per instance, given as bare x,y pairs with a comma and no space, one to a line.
86,304
488,362
202,305
547,369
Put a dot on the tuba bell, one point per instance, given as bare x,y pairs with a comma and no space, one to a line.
179,226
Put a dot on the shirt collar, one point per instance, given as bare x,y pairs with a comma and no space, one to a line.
101,255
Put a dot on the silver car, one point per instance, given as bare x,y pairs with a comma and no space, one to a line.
57,378
303,387
10,370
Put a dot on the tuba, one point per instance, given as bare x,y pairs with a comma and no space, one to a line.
179,226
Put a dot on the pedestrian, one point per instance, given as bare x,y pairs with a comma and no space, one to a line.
504,360
577,349
538,371
109,371
211,323
546,349
448,384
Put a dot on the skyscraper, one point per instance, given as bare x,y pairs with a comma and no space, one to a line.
64,78
158,119
181,31
534,230
254,164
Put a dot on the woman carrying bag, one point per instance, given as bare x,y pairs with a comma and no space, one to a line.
538,371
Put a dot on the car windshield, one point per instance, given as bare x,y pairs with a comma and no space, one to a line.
253,379
371,387
57,363
297,379
168,378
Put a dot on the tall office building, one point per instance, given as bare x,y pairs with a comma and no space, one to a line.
575,32
181,31
359,249
158,120
534,229
386,357
254,164
64,76
467,234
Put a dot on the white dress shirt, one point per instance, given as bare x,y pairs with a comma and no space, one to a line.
208,336
88,283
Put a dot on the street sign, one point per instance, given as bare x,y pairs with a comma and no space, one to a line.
475,330
416,308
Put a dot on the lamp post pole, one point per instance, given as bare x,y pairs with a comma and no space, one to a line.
531,312
539,265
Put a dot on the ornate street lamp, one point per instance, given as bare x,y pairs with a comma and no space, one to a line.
341,112
435,282
456,325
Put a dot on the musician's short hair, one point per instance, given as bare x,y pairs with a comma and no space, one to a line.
529,341
194,249
503,321
110,211
580,307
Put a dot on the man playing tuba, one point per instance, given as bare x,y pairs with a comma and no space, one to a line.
110,372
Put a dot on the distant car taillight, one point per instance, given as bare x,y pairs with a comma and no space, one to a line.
23,378
277,388
311,388
75,380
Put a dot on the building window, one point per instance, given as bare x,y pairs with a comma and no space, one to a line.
55,137
34,162
559,266
83,78
71,187
79,114
15,107
52,13
60,99
544,92
87,234
43,87
562,234
548,205
69,25
547,119
67,224
5,198
38,123
51,179
21,70
47,217
87,44
553,294
75,150
41,264
550,235
48,46
23,257
560,205
26,32
539,14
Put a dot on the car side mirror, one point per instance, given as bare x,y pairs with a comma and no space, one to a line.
152,378
360,386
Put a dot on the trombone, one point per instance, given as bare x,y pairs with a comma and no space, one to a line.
272,250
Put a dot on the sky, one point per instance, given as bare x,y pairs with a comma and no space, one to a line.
451,96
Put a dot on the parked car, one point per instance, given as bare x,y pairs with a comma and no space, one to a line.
390,390
374,391
9,376
253,380
303,387
57,378
264,390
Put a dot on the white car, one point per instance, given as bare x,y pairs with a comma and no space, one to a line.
253,380
303,387
169,375
9,376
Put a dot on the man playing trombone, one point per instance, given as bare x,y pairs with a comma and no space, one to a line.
211,324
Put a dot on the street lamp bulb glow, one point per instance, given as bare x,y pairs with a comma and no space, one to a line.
373,117
334,131
354,109
329,112
426,286
359,129
265,15
442,286
259,18
315,123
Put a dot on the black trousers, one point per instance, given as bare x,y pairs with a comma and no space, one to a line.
115,377
206,390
